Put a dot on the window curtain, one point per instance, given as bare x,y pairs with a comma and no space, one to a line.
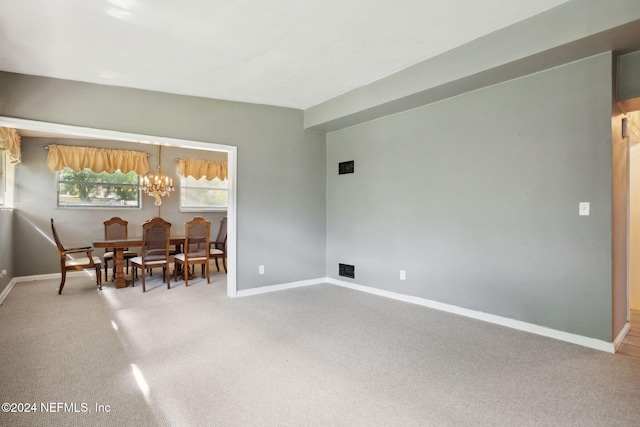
202,168
96,159
10,141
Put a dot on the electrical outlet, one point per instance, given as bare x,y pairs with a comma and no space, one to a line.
403,275
261,269
583,208
3,273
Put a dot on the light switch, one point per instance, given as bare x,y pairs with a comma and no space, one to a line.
583,208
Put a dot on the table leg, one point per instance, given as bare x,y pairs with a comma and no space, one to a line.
119,261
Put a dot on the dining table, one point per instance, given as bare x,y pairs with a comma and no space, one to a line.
120,245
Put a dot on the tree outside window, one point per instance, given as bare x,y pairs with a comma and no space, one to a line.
88,189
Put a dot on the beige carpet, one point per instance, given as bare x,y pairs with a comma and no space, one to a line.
314,356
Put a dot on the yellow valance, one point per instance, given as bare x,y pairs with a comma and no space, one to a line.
96,159
198,168
10,141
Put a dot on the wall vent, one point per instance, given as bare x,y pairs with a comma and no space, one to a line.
347,270
346,167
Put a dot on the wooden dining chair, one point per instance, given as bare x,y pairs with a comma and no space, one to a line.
116,228
70,263
218,248
195,249
155,249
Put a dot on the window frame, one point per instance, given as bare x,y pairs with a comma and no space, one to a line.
138,199
184,185
2,179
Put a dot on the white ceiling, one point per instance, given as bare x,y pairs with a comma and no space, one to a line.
291,53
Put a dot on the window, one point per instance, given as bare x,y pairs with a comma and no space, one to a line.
7,180
3,184
203,194
87,189
9,159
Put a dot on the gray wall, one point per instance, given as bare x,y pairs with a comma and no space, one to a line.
476,197
281,176
628,76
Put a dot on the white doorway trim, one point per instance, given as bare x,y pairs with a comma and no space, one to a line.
634,221
232,153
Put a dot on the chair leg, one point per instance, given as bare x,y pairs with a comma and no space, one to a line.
186,273
99,277
106,266
224,263
167,276
64,277
144,288
217,266
177,269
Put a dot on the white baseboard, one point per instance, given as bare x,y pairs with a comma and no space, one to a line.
6,290
281,287
91,273
622,335
41,277
478,315
19,279
486,317
24,279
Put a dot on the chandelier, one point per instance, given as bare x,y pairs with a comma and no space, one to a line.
157,184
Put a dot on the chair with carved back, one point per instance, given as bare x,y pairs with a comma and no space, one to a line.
116,228
195,249
70,263
155,249
218,248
